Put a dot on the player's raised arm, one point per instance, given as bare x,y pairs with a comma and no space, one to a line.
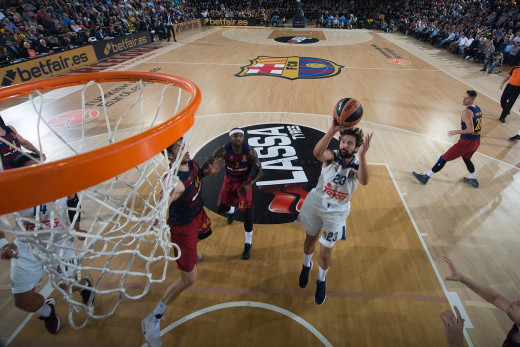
363,173
25,143
485,292
320,150
219,153
212,166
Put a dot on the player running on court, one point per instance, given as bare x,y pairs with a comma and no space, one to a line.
471,126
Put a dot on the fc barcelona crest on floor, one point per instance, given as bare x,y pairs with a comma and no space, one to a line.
291,68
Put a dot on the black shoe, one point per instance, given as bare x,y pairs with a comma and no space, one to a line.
471,181
502,119
174,40
52,323
420,177
304,276
247,251
230,218
514,138
168,40
321,289
85,293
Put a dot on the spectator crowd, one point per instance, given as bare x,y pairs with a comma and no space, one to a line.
32,28
486,32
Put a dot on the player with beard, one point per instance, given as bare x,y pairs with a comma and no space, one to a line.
326,207
243,169
188,223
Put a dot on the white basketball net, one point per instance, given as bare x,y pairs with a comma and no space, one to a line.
127,243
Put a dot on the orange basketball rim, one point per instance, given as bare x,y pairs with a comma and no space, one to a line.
30,186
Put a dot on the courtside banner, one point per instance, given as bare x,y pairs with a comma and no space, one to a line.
110,47
187,26
239,22
47,66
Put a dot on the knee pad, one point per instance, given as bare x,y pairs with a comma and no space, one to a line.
439,165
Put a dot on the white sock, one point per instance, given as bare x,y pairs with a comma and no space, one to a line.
518,133
322,274
430,173
473,175
307,259
160,308
249,236
231,210
44,311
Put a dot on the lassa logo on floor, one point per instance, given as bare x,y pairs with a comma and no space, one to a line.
290,170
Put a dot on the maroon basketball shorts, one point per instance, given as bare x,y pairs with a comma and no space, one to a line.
464,148
229,196
185,236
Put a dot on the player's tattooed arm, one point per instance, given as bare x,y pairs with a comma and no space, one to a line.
212,168
257,166
218,155
256,169
214,163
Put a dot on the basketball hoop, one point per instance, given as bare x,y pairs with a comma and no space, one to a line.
121,173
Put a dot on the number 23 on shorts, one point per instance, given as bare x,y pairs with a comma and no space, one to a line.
330,236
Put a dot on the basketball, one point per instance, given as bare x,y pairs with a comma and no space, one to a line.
348,112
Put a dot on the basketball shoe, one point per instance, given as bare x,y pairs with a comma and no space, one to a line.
151,327
420,177
304,276
514,138
247,251
86,293
471,181
52,323
321,289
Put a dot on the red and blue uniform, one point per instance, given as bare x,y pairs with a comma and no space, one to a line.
187,218
190,204
9,152
468,143
238,172
509,339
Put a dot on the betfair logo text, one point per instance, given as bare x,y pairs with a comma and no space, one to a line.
226,21
124,45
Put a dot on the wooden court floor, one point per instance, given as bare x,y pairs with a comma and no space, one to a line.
385,284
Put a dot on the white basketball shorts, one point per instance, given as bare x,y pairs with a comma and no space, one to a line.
331,224
26,270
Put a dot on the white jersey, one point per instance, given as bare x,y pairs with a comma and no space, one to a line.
337,183
46,219
46,216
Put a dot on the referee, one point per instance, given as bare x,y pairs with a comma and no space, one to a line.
511,92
